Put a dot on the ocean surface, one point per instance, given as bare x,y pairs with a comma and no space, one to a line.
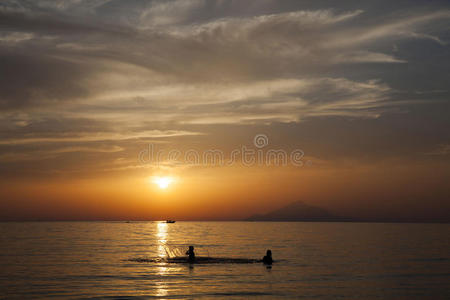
110,260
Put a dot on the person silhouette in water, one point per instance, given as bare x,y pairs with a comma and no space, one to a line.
267,260
191,254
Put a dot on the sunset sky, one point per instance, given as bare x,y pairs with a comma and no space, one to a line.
89,88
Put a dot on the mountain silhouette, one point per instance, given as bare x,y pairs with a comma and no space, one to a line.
299,211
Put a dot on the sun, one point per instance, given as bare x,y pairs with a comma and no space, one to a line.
163,182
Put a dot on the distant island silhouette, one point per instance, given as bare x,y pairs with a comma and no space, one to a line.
299,211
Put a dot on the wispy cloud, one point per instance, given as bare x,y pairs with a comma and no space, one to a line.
443,149
99,136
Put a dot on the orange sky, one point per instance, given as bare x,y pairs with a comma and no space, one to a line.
232,193
357,90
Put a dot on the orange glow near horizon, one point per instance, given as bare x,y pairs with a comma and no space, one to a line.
226,193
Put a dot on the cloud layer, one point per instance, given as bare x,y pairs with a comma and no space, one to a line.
79,72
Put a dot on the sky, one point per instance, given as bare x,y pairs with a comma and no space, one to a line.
240,106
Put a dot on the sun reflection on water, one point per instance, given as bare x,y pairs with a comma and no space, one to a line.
162,270
161,235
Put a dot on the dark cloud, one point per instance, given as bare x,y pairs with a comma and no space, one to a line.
27,79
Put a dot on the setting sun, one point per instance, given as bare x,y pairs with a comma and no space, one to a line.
163,182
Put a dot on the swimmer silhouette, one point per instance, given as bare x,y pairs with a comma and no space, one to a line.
267,260
191,254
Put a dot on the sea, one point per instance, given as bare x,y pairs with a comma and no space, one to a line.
312,260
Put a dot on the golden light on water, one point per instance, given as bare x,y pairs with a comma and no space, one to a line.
162,238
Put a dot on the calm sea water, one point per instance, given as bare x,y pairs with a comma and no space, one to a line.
314,260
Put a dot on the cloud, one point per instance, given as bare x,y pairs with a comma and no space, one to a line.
15,37
78,54
443,149
366,57
10,157
29,79
98,136
288,101
78,72
163,13
402,27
